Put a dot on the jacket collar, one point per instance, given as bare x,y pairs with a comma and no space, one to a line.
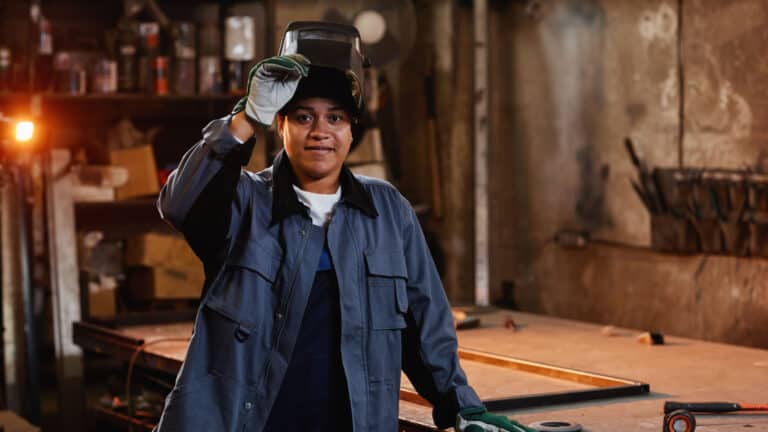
284,199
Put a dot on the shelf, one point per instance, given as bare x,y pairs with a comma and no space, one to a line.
141,202
126,217
67,107
116,97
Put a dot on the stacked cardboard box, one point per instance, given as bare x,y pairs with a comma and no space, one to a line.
139,161
164,268
102,298
101,265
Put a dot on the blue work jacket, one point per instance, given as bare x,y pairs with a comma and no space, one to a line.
260,252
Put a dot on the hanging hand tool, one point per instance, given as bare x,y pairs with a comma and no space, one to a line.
728,191
646,201
649,182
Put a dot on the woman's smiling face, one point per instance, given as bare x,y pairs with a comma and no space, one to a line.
317,135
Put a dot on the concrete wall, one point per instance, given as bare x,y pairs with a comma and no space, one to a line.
571,80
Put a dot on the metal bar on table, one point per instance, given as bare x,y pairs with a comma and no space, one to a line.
582,377
547,399
607,386
119,345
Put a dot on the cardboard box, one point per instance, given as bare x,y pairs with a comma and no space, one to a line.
142,171
102,302
164,283
169,269
154,249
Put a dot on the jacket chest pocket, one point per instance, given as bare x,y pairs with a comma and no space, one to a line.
238,312
387,295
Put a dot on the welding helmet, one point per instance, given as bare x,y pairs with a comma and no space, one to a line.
332,46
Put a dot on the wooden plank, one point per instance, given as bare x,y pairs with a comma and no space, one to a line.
65,289
454,117
482,269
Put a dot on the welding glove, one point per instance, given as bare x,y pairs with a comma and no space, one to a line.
478,419
271,84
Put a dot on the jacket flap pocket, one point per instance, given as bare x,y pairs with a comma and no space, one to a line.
262,257
230,310
401,294
387,291
390,264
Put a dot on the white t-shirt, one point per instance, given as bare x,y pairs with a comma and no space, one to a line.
320,205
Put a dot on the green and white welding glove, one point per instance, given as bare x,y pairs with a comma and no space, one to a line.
478,419
271,84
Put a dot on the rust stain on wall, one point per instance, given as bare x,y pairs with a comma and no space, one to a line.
718,119
726,84
572,38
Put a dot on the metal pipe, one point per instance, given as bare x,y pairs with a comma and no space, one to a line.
481,153
32,408
3,391
681,87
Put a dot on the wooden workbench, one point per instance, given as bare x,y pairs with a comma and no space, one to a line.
682,369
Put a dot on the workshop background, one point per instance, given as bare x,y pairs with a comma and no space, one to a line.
622,142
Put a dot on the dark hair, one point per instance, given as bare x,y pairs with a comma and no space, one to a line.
328,83
333,84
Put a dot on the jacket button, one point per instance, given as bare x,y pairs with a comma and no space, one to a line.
241,334
279,316
248,406
303,232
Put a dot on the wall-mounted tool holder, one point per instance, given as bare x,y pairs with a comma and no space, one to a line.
704,210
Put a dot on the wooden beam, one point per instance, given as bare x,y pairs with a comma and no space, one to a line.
65,289
481,153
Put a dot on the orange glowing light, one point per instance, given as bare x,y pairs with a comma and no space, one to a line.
24,131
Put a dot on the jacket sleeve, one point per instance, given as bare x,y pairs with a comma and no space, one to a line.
430,357
205,196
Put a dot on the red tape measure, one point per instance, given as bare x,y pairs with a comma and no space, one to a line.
679,421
